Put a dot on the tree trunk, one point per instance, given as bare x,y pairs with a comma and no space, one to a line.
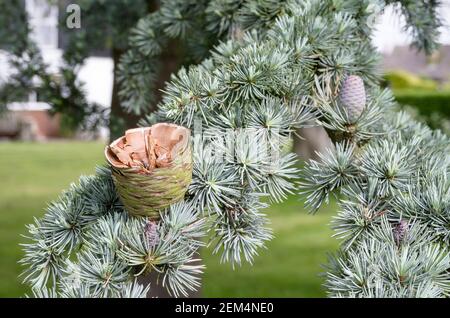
119,119
315,139
157,290
169,62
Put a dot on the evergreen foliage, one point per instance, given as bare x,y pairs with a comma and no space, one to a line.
280,66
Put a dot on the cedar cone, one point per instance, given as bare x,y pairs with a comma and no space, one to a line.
353,97
151,167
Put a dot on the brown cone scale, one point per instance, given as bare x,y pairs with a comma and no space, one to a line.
151,167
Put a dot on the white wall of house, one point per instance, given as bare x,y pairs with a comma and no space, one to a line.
4,70
44,19
389,32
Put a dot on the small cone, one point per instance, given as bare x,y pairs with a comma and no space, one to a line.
151,232
400,230
151,167
353,97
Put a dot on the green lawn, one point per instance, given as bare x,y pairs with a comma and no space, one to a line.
34,174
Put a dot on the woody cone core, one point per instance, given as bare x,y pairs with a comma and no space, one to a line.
151,167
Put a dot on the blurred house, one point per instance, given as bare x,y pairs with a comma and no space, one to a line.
30,119
436,66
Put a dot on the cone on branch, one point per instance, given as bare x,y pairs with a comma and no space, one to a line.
400,230
151,232
353,97
151,167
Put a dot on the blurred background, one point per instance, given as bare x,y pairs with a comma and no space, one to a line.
59,107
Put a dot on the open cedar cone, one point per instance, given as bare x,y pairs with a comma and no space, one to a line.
151,167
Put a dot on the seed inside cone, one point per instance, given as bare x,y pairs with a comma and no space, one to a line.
148,148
